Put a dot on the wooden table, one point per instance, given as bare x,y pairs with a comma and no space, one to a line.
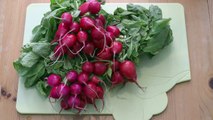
189,101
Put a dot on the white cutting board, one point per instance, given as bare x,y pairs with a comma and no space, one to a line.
159,74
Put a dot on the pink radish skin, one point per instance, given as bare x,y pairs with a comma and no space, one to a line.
59,51
83,78
95,80
89,48
114,30
115,66
75,27
92,0
66,18
75,89
72,76
102,18
63,90
116,47
117,79
64,104
94,7
60,32
109,38
63,25
82,36
90,90
98,33
70,54
89,100
105,54
53,80
87,23
87,67
100,92
77,47
84,8
98,23
98,43
99,68
73,102
81,106
54,93
69,40
128,70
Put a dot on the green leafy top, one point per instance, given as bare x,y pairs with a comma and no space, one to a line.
143,31
34,63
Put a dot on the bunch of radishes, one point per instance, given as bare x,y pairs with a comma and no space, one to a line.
89,36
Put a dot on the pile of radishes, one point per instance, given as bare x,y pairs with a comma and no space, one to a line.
89,36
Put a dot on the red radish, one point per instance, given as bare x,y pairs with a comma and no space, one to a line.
98,43
92,0
94,7
99,68
87,23
59,51
70,54
83,78
75,27
63,90
117,79
91,93
102,18
53,80
77,47
89,48
89,100
95,80
75,89
82,36
81,106
73,102
116,47
87,67
69,40
66,18
105,54
59,91
98,23
100,92
54,93
72,76
115,65
128,70
60,32
109,38
64,104
63,25
84,8
90,90
114,30
98,33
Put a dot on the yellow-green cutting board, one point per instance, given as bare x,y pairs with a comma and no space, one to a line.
158,74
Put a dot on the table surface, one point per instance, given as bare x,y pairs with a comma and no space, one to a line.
189,101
